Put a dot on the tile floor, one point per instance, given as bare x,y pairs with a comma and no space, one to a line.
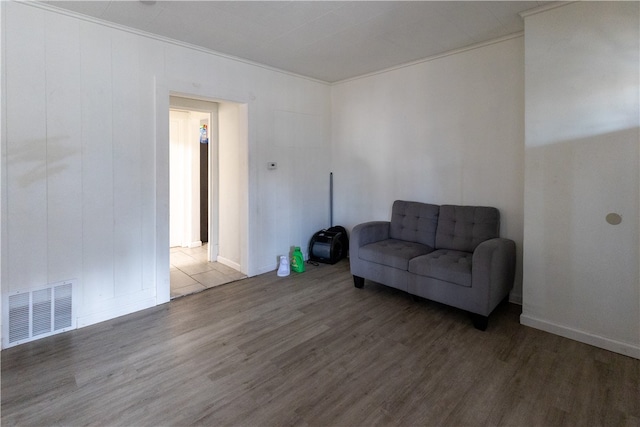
190,272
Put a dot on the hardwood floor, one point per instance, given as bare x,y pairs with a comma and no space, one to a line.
310,349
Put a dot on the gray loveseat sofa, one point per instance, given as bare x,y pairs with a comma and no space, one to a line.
449,254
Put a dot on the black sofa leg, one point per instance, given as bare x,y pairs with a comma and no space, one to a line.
480,322
358,282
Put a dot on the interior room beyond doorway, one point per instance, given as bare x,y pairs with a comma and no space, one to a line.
189,176
195,185
192,272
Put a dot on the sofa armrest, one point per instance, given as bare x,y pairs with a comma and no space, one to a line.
493,270
368,232
361,235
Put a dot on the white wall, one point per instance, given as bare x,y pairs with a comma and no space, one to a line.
85,142
445,131
581,275
231,194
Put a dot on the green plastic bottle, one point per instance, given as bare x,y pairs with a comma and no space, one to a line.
297,260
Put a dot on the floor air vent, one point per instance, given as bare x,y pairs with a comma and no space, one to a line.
39,313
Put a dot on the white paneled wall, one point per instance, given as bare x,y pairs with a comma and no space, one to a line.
445,131
98,166
64,150
582,162
83,194
26,151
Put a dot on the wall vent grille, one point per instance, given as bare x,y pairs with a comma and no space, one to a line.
38,313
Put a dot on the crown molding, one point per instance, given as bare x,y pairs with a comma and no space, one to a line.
434,57
544,8
98,21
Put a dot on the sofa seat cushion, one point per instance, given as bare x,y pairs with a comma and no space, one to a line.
444,264
393,253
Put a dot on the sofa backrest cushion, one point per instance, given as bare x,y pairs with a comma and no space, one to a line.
414,222
462,228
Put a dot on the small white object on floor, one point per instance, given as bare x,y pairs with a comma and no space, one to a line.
283,270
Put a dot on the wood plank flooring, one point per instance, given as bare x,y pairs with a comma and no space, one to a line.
312,350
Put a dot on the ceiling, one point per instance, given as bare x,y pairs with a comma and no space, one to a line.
325,40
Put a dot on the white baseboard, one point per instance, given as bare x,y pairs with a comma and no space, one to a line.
117,311
626,349
267,269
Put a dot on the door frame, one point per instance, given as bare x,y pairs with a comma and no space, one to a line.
187,89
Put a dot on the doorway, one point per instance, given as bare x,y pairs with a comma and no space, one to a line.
189,180
194,198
